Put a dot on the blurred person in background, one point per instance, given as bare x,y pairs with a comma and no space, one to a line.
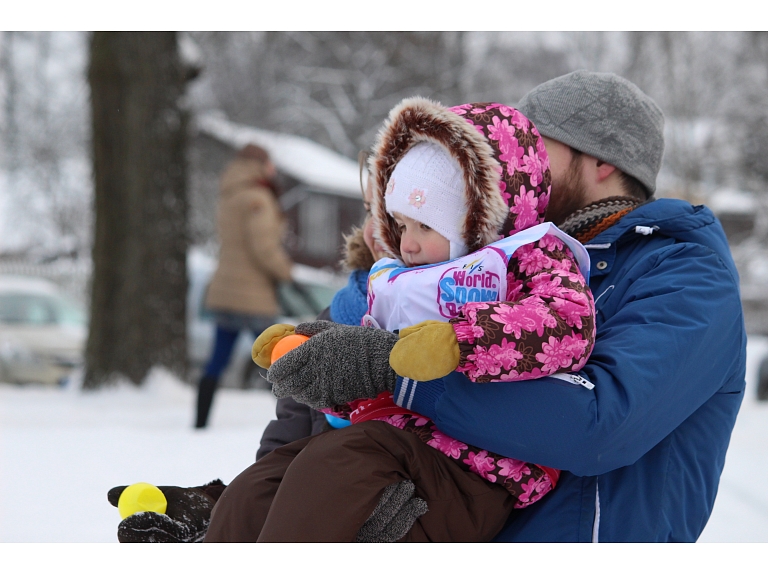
243,291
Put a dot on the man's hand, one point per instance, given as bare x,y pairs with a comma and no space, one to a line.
338,364
428,350
397,511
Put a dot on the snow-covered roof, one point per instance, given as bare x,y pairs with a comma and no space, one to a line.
301,158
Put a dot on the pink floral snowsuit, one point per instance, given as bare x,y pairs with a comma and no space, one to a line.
546,324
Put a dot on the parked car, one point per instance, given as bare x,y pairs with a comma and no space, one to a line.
42,332
310,292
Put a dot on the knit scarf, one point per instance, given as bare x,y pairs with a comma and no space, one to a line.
589,221
350,303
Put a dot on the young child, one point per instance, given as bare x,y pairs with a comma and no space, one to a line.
448,184
546,324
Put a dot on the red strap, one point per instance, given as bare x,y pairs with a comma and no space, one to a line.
383,405
553,474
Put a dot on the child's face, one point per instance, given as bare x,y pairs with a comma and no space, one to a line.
420,244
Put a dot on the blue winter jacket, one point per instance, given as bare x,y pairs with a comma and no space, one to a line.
642,451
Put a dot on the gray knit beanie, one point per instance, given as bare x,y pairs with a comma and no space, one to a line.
603,115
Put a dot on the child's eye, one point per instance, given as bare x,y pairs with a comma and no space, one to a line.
425,227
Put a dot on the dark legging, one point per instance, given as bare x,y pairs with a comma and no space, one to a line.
223,345
228,327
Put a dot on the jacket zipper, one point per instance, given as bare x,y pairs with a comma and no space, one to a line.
574,379
596,524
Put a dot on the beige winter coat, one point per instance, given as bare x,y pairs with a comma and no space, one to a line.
251,259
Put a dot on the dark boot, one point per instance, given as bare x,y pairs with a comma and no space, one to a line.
205,390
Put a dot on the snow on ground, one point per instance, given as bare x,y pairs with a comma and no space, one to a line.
61,450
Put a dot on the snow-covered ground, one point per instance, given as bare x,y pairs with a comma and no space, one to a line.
61,450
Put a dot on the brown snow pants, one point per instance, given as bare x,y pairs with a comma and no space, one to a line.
323,488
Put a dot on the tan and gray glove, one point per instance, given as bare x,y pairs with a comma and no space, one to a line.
338,364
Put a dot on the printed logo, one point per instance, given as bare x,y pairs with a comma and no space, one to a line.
458,286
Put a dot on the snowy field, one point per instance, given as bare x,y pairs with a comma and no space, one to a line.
61,450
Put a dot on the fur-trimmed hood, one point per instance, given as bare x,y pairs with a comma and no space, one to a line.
506,168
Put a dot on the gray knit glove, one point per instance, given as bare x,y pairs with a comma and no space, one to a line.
338,364
394,516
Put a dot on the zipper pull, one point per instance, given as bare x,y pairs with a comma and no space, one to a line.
645,230
574,379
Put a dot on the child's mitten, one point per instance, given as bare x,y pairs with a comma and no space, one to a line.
336,365
425,351
261,352
185,520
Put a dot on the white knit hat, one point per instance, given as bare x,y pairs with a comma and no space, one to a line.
427,185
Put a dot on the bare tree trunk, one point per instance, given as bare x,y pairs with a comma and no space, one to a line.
139,285
7,67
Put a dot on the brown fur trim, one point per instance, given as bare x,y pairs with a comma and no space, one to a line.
417,120
357,256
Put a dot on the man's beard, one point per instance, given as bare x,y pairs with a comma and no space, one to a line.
567,195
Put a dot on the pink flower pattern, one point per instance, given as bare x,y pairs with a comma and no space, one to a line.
513,468
530,315
533,490
417,198
533,167
525,207
468,333
527,482
514,288
481,463
451,447
511,151
545,326
557,353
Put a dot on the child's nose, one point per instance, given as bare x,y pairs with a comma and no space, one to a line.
407,244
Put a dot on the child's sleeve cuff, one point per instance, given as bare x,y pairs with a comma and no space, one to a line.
419,396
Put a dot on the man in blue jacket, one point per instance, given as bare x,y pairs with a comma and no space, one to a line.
641,434
642,431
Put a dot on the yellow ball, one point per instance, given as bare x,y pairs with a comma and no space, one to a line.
141,497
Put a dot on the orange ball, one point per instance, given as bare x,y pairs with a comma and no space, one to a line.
286,344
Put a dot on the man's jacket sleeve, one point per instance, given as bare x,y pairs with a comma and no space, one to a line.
671,341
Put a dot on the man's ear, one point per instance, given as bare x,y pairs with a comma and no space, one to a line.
603,170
